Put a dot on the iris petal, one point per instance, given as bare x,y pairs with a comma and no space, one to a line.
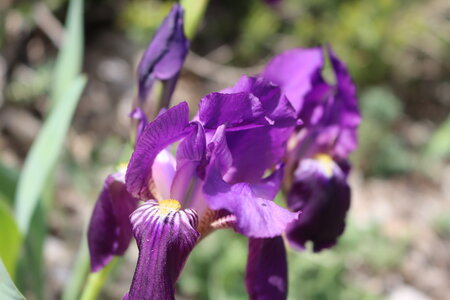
266,276
238,109
157,135
164,57
295,71
165,236
109,231
320,190
256,214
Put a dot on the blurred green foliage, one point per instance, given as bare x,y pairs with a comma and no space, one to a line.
381,151
216,268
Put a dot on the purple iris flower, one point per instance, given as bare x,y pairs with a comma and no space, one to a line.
163,58
318,156
188,196
218,178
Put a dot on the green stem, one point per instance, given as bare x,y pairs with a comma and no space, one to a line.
96,281
79,273
195,9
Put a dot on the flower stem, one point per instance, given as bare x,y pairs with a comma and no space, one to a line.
96,281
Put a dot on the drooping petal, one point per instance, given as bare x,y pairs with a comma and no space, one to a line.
256,215
321,192
109,231
165,55
266,277
165,236
295,71
166,129
238,109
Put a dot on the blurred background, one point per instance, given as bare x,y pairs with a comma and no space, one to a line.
397,242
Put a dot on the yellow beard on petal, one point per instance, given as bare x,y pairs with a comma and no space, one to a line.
167,206
327,162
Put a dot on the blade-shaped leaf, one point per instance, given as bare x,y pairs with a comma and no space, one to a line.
70,56
7,288
11,239
44,153
8,182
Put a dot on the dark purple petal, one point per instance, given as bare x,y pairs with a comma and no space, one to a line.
295,71
218,145
276,106
254,151
346,90
321,192
165,236
190,157
163,131
233,110
165,55
266,277
109,231
256,214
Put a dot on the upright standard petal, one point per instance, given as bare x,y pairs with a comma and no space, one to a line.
166,129
165,236
238,109
109,231
258,119
295,71
165,55
266,277
191,159
321,192
275,105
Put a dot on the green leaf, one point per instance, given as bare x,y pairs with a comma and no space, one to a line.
70,56
44,154
11,239
7,288
8,182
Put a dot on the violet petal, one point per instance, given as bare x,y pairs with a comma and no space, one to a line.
165,236
266,277
165,55
256,215
166,129
109,231
295,71
321,192
232,110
